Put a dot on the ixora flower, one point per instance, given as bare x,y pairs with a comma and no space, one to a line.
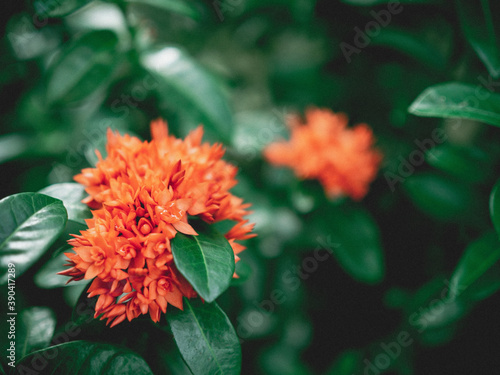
143,194
342,159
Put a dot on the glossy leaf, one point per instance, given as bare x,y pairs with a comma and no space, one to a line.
48,278
205,338
354,239
205,260
478,257
183,80
72,293
83,67
477,18
84,358
468,164
495,207
58,8
29,224
458,100
35,328
175,6
443,198
71,194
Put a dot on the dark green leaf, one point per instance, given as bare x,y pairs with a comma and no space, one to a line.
12,146
205,338
51,8
205,260
164,358
348,363
97,125
478,257
255,129
354,239
441,197
413,45
29,224
48,278
468,164
377,2
72,292
182,79
176,6
478,24
84,358
485,286
34,329
244,271
495,206
83,67
458,100
281,359
438,336
84,309
71,194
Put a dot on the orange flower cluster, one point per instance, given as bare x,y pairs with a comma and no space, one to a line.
342,159
143,194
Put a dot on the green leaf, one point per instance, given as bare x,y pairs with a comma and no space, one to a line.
71,194
281,359
12,146
485,286
57,8
84,309
205,260
205,338
466,163
355,241
48,278
377,2
29,224
176,6
244,271
348,363
478,257
84,358
495,206
83,67
181,79
97,126
72,293
478,23
458,100
412,45
443,198
255,129
35,327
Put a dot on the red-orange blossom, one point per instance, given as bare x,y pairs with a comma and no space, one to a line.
342,159
142,194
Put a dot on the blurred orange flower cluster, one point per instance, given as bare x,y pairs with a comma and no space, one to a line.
342,159
142,194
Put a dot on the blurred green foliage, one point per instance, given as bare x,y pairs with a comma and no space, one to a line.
402,282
